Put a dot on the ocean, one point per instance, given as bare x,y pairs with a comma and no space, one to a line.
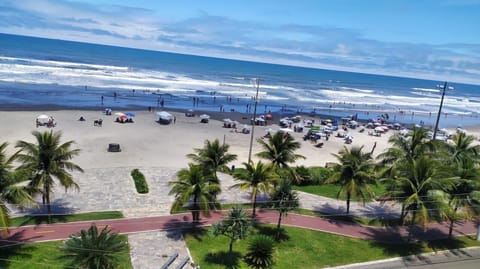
37,71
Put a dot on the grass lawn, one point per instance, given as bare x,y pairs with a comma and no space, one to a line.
350,218
34,220
331,190
301,248
43,255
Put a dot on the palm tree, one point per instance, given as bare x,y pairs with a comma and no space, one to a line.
464,193
196,186
407,148
280,150
283,199
423,184
213,156
354,173
10,192
404,150
91,249
47,160
234,225
256,178
462,148
260,252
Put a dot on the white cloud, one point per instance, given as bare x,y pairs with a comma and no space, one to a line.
342,50
304,45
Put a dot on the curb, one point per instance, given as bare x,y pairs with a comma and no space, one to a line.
397,258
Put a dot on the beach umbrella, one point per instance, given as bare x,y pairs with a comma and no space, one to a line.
379,129
43,117
130,114
285,130
385,127
204,117
377,123
119,114
268,116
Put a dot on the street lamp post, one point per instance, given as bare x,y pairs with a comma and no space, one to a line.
444,88
257,85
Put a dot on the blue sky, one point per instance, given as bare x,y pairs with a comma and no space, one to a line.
437,39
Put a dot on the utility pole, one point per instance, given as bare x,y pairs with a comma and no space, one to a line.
257,85
444,88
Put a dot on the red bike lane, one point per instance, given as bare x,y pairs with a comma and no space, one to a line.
47,232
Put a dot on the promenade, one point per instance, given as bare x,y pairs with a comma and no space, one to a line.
154,234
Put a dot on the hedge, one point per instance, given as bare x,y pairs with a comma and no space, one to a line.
140,182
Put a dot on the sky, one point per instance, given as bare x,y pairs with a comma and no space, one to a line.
432,39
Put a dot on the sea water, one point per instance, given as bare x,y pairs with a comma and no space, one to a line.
38,71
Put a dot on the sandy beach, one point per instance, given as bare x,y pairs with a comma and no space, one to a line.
147,143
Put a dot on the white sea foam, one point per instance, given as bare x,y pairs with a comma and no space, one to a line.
425,89
30,71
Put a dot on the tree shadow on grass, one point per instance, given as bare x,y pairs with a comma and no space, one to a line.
230,260
195,232
60,210
272,232
448,243
12,245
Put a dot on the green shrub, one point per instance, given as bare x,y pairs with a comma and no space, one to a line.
318,175
140,182
303,175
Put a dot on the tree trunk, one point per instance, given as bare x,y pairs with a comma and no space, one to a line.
49,207
348,202
402,215
452,221
231,245
254,206
450,229
195,212
412,224
278,225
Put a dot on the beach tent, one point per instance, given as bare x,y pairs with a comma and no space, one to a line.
404,132
204,118
164,117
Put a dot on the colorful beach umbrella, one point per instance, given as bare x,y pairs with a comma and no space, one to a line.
130,114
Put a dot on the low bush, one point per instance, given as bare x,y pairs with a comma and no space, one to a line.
318,175
140,182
